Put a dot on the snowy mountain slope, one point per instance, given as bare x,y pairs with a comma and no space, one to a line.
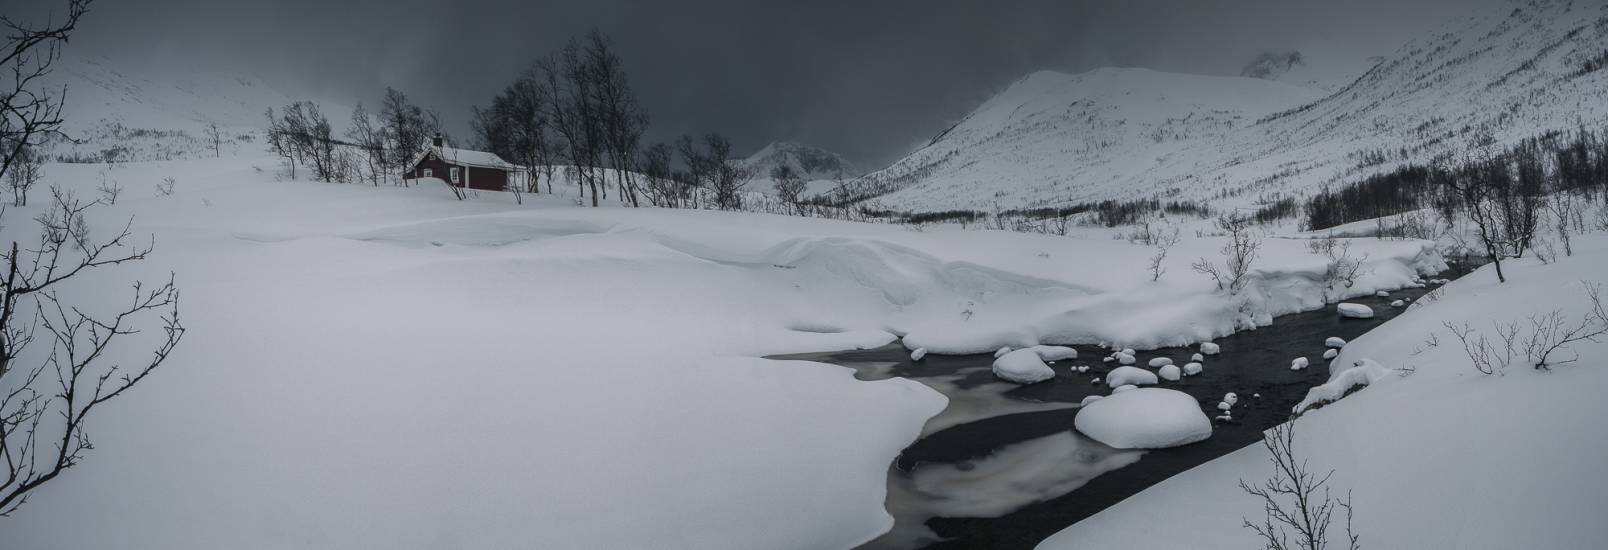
1054,139
145,114
823,170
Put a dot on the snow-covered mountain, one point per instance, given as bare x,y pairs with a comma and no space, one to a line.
1056,139
143,114
823,169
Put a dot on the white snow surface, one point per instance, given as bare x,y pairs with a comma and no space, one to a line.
1443,457
1121,376
1023,366
1144,418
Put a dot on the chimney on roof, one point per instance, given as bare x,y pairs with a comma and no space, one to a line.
437,140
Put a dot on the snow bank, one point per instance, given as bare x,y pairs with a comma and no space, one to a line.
1362,373
1023,366
1144,418
1130,375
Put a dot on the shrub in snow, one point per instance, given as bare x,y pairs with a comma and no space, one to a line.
1197,358
1160,362
1330,353
1356,311
1299,363
1126,359
1335,342
1209,348
1191,369
1022,366
1130,375
1123,388
1055,353
1296,501
1090,399
1002,351
1144,418
918,354
1170,373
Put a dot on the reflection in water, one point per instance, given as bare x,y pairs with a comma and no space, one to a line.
1012,477
967,402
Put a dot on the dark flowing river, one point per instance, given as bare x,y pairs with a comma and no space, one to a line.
1002,467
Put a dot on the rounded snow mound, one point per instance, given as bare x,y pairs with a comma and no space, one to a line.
1130,375
1055,353
1356,311
1144,418
1022,366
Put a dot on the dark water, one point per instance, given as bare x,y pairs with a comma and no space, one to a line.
1003,467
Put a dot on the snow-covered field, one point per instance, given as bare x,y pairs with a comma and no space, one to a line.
1444,457
388,367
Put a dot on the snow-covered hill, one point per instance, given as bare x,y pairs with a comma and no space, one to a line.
822,169
1055,139
130,113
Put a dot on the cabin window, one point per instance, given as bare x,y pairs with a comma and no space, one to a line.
454,174
428,174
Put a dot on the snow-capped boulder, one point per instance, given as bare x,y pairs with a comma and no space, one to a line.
1382,294
1096,381
1055,353
1002,351
1231,398
1299,363
1335,342
1160,362
1170,373
1192,368
919,354
1126,359
1130,375
1209,348
1144,418
1022,366
1129,351
1123,388
1330,353
1197,358
1108,359
1090,399
1356,311
1399,303
1223,406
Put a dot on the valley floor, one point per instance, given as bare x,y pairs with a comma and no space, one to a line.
391,368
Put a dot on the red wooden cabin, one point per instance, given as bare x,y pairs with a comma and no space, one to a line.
462,167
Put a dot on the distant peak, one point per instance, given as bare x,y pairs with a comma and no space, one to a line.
1272,65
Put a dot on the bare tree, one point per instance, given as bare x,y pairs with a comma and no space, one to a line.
406,127
1296,502
1164,241
710,167
664,189
46,405
109,190
369,141
789,184
30,113
1238,254
25,171
215,137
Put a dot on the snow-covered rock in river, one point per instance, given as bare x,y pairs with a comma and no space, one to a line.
1197,358
1002,351
1123,388
1129,351
1170,373
1144,418
1355,311
1192,368
1224,405
918,354
1330,353
1130,375
1125,359
1055,353
1399,303
1231,398
1299,363
1209,348
1382,294
1090,399
1022,366
1335,342
1160,362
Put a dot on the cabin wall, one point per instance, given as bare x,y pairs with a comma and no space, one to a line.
484,179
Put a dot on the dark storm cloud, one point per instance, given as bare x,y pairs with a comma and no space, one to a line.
868,78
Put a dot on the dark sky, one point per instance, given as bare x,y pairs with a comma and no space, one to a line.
867,78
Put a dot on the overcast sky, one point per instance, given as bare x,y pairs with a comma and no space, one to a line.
867,78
